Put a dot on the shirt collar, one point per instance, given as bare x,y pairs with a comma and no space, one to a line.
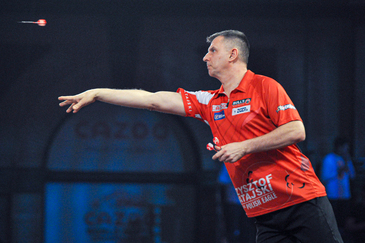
246,80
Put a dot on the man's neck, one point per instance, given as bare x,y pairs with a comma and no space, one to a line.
232,80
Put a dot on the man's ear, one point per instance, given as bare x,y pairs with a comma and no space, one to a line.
234,54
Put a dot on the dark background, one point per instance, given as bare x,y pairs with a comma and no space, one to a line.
315,49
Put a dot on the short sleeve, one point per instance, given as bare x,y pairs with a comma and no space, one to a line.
196,103
280,107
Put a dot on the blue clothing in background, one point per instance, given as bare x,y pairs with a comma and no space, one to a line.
335,179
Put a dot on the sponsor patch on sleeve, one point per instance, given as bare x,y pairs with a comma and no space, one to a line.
285,107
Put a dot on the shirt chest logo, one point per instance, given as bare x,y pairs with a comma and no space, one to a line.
241,110
219,116
220,107
241,102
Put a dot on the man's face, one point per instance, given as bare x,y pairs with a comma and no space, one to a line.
217,57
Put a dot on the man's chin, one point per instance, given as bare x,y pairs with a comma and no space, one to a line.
211,73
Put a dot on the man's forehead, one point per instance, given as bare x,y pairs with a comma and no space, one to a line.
216,42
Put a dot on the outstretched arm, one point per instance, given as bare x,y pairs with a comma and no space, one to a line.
285,135
163,101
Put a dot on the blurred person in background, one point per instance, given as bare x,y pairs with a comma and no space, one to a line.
336,173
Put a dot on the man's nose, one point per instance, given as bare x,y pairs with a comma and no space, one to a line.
205,58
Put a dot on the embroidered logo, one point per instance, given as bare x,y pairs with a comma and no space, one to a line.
219,116
240,102
285,107
241,110
219,107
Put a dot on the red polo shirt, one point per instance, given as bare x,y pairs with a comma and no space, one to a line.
266,181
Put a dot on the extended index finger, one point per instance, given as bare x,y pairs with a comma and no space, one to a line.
70,97
67,100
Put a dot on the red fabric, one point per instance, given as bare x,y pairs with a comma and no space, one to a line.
265,181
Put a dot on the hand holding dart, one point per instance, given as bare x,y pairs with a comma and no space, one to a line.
212,147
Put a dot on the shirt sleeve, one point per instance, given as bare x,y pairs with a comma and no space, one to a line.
281,109
196,103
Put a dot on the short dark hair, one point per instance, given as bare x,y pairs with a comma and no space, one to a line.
238,39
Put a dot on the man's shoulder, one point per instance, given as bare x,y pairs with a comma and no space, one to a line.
262,82
259,79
